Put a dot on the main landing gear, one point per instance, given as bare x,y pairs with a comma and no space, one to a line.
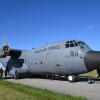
17,75
90,80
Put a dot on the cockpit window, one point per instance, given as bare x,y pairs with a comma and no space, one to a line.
67,45
71,44
71,41
81,44
74,41
76,44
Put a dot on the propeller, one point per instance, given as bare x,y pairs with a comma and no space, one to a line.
4,51
7,51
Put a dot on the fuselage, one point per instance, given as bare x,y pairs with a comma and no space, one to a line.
63,57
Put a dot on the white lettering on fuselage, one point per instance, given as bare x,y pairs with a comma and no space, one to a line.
49,48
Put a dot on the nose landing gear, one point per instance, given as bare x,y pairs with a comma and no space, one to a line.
71,78
74,78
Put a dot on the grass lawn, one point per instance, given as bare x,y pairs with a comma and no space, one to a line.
11,91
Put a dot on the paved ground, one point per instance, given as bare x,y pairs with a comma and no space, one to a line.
81,88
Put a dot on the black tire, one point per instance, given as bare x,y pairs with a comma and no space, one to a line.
90,81
17,75
71,78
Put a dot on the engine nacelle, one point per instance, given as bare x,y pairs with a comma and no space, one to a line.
23,69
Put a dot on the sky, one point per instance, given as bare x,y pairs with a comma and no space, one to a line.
33,23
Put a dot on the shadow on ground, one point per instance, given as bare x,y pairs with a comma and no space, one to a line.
81,78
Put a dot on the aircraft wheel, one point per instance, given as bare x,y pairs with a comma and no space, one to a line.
90,81
71,78
17,75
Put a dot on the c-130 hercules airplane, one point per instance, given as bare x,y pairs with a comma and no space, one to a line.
68,57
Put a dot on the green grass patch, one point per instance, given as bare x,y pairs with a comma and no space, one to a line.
12,91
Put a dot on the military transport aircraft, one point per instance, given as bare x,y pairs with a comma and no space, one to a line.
68,57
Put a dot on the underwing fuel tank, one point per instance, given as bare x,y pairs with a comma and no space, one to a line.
92,60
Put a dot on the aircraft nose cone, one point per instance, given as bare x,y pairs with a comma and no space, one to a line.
92,60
